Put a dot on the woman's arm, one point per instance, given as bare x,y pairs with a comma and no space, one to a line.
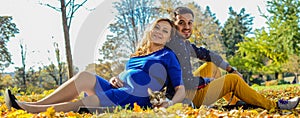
179,94
178,97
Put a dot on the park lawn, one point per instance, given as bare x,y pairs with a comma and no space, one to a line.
177,110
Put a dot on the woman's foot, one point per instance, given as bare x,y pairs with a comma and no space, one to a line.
10,100
288,104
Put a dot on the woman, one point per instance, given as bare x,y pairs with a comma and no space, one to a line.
152,66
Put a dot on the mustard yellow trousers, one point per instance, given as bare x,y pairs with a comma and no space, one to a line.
224,86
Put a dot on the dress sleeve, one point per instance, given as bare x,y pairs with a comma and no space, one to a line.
173,70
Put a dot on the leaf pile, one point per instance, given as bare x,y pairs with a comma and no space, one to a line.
177,110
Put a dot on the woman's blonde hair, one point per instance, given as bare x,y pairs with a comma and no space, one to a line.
145,42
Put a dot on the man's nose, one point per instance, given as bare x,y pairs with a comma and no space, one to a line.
187,26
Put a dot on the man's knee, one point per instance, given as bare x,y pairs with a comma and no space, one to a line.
233,77
209,70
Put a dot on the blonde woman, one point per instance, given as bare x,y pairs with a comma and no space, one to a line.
152,66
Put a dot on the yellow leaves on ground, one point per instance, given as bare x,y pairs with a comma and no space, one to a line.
176,111
137,108
18,113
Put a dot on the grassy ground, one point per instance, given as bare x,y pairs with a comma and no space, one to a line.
178,110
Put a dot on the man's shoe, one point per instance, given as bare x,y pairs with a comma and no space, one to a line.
288,104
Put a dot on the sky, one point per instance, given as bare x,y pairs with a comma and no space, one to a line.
40,27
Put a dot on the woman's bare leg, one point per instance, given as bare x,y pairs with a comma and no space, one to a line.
92,101
83,81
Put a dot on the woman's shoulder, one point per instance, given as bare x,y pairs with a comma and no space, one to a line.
168,52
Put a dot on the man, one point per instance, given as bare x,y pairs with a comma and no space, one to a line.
201,89
183,18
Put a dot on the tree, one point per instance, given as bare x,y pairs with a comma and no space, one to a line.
237,25
8,29
272,46
60,64
284,17
167,7
211,31
130,22
208,13
57,72
23,57
108,70
206,32
67,9
6,81
293,66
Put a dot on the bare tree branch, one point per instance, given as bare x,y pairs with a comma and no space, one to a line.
73,8
79,5
52,7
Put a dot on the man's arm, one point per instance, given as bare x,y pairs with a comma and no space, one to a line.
200,53
210,56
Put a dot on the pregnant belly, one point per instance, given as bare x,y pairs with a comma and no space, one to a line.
139,81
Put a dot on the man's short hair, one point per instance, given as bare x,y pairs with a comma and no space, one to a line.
181,10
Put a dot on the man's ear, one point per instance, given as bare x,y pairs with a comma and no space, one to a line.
150,92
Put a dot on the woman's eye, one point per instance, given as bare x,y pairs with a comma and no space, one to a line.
165,31
156,27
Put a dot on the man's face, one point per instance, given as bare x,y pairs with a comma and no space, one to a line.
184,24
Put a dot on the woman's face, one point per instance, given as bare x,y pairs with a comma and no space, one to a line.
161,33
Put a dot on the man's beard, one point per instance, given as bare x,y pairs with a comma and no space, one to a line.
187,37
182,34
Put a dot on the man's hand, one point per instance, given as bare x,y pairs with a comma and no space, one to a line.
231,69
207,80
116,82
238,73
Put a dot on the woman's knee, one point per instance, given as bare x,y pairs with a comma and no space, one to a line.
85,76
85,79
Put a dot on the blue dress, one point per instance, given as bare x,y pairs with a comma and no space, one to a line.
154,71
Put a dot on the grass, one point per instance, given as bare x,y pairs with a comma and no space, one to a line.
274,87
177,110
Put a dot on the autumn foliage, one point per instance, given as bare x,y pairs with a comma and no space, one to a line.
177,110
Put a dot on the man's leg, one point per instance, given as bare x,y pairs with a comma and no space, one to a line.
231,83
210,70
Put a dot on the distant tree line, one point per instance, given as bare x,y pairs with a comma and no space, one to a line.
267,51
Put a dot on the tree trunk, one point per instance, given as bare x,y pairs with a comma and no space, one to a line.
67,39
23,56
295,81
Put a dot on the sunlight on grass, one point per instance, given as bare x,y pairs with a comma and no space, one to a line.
177,110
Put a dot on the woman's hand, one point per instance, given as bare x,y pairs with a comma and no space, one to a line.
166,104
116,82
